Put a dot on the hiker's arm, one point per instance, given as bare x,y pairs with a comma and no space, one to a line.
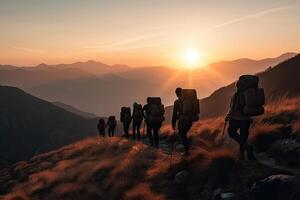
143,112
229,113
175,114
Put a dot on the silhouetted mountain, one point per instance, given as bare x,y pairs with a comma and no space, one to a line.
25,78
105,94
29,125
279,81
233,69
93,67
75,110
7,67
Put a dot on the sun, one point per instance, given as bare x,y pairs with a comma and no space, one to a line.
191,57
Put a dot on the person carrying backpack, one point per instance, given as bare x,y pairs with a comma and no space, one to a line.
101,127
137,118
246,102
111,123
186,110
126,120
153,113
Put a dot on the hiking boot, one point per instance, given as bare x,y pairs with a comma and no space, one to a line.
242,156
186,153
250,153
242,152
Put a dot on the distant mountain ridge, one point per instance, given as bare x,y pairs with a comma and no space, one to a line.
233,68
92,67
104,93
29,125
75,110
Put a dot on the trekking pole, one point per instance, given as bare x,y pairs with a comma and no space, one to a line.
171,155
225,124
172,150
142,141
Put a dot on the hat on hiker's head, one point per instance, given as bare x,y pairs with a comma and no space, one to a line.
178,91
135,103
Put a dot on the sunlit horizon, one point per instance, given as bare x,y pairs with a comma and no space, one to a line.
145,33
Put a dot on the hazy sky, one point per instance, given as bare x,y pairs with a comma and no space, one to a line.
145,32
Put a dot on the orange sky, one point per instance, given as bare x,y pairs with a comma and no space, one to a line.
143,33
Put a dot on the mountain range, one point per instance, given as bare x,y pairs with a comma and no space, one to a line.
29,125
102,89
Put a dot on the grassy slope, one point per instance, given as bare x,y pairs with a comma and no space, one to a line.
121,169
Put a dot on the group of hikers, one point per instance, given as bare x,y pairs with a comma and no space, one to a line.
247,101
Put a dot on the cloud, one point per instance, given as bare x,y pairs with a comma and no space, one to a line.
29,50
144,46
125,42
251,16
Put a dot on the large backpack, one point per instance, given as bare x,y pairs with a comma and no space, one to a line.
112,121
137,112
101,124
253,96
125,114
156,110
189,105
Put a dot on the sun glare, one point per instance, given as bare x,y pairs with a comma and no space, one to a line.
191,57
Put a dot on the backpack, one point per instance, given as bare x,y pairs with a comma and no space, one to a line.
101,124
156,110
189,105
125,114
253,96
137,112
112,121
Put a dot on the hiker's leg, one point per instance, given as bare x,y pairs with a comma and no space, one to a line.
149,133
125,127
244,132
138,127
156,136
183,127
127,130
184,140
187,143
133,129
232,130
113,132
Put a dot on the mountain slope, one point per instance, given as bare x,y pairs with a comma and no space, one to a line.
117,168
74,110
281,80
29,125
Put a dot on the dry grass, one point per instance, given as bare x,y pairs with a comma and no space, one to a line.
120,169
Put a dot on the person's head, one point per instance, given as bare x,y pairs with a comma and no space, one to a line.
135,103
178,91
238,86
148,100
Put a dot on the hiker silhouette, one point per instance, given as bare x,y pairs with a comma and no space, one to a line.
126,120
246,102
153,113
137,119
111,123
101,127
186,110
